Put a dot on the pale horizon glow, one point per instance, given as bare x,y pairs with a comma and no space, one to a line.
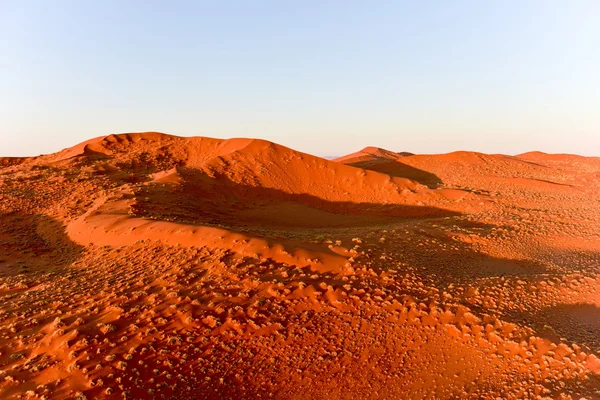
324,77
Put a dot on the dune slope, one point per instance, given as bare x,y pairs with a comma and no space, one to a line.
145,265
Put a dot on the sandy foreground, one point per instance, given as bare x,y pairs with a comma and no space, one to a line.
150,266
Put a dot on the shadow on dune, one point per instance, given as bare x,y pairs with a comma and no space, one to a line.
445,260
34,243
434,249
571,261
204,200
577,323
397,168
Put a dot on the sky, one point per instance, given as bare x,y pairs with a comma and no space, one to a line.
324,77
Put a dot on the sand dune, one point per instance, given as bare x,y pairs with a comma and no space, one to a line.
146,265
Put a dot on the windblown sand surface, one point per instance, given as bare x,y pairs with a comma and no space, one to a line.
152,266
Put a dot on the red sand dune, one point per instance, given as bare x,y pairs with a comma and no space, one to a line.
146,265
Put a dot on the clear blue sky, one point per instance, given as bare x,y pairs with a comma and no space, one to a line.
325,77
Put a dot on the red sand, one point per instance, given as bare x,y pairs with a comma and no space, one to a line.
146,265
